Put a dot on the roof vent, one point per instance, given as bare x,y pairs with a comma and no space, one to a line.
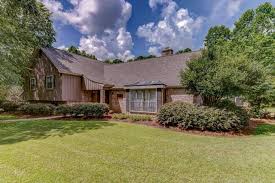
167,51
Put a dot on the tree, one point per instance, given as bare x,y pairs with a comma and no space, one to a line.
223,78
237,63
186,50
115,61
75,50
25,27
254,35
217,36
144,57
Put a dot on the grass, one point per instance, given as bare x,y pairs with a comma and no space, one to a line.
97,151
7,116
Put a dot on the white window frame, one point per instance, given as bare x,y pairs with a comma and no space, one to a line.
46,82
130,100
34,86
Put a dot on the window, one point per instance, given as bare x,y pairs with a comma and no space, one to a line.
143,100
50,82
32,83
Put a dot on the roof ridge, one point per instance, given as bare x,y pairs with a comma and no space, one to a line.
151,59
99,61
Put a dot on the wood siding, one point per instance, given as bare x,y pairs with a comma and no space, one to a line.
40,70
71,88
91,85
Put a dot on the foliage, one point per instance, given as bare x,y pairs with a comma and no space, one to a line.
217,79
115,61
215,39
132,117
260,96
75,50
10,106
64,109
236,63
254,35
187,116
186,50
143,57
25,27
96,110
37,109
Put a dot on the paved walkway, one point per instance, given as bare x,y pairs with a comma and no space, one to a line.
32,119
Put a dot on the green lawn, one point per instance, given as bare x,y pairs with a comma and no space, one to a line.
7,116
74,151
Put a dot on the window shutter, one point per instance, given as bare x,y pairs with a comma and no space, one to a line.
45,82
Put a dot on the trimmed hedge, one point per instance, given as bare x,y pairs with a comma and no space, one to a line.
9,106
188,116
37,109
96,110
133,117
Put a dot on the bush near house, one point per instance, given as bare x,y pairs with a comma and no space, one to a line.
187,116
132,117
10,106
37,109
96,110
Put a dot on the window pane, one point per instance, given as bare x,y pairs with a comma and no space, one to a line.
143,100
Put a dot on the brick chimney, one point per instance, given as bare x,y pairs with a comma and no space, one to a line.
167,51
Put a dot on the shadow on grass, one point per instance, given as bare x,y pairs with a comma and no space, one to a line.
14,132
265,129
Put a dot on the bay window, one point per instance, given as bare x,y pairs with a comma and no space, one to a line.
143,100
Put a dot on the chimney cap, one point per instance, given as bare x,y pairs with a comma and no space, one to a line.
167,51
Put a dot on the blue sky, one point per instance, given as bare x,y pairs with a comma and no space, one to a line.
128,28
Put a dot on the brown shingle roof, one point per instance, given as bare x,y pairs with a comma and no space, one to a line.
163,69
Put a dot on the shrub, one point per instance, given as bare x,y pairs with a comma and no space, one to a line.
188,116
64,109
96,110
37,109
9,106
132,117
230,106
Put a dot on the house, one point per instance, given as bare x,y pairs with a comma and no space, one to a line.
138,87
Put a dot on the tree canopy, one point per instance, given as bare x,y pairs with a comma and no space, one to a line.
186,50
75,50
25,27
238,62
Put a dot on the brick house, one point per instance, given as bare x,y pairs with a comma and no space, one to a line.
137,87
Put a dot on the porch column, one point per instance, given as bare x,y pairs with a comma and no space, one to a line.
102,96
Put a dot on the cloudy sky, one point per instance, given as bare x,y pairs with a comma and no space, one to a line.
127,28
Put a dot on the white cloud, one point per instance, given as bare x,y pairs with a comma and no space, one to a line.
224,10
100,21
62,47
176,29
119,43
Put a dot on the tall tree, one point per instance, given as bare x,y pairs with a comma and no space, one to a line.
217,36
254,35
237,63
25,27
